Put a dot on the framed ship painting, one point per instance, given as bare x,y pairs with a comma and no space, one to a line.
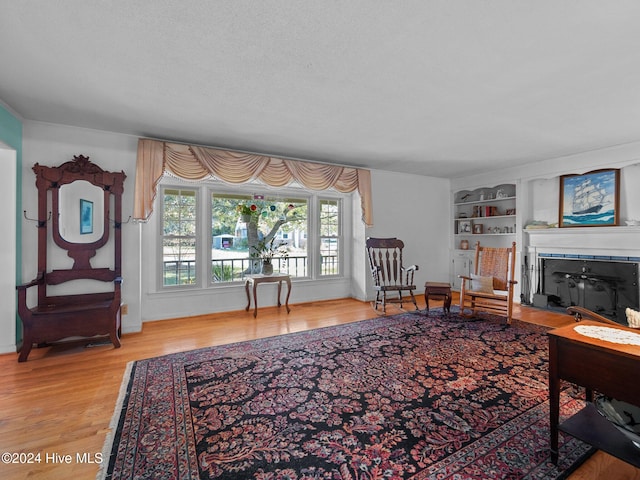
590,199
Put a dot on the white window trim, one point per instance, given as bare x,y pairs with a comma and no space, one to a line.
159,246
204,191
340,236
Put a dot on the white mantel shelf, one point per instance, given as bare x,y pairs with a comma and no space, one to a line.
623,241
584,230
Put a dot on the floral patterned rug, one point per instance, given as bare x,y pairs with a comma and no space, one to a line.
401,397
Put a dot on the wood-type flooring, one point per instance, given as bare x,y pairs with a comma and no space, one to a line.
60,402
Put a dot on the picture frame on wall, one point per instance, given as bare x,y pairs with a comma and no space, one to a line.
590,199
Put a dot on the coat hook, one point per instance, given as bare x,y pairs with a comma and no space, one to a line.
41,223
118,224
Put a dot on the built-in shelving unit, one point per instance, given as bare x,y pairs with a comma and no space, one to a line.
486,215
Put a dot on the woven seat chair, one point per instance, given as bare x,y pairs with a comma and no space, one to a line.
388,271
490,288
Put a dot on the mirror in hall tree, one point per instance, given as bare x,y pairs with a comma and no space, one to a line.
82,199
81,207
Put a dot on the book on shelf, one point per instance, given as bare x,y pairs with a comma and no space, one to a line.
485,211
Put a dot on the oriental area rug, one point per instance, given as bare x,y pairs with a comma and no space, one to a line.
408,396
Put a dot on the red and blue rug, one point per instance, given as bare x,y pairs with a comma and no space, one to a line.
400,397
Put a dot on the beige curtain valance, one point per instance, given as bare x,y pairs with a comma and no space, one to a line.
195,163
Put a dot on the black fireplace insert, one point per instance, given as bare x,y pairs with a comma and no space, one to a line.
604,287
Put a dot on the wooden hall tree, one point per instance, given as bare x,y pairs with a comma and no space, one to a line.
78,205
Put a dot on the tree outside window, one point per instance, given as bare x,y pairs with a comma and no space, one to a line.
241,224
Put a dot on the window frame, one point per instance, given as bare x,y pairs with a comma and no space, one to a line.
204,192
160,243
250,191
339,238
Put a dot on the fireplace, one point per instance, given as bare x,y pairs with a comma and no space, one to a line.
592,267
603,286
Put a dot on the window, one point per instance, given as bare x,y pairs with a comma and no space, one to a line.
330,237
179,233
209,231
241,223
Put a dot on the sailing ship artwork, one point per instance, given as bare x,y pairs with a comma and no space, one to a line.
590,199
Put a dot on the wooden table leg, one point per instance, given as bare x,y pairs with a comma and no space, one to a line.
279,290
447,302
288,293
554,399
255,299
246,289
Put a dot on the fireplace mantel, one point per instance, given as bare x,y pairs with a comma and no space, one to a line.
589,243
607,241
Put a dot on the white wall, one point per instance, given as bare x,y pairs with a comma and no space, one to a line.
544,197
612,157
411,207
7,250
416,210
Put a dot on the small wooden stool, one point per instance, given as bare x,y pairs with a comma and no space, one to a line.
438,289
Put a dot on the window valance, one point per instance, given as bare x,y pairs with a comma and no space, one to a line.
195,163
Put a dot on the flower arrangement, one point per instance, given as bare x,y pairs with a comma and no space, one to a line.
247,210
252,212
244,209
267,250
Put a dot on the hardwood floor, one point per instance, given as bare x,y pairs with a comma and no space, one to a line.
59,403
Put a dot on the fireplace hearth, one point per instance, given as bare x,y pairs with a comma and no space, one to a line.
605,287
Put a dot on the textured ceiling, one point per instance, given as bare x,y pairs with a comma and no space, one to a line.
442,88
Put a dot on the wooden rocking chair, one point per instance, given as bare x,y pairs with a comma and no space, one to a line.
490,287
389,274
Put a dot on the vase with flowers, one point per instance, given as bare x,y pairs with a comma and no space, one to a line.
266,251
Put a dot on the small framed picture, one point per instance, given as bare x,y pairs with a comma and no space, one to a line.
86,217
478,228
464,226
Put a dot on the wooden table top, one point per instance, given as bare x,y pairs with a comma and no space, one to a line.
569,332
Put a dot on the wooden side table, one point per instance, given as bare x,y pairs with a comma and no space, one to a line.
598,365
255,280
440,290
